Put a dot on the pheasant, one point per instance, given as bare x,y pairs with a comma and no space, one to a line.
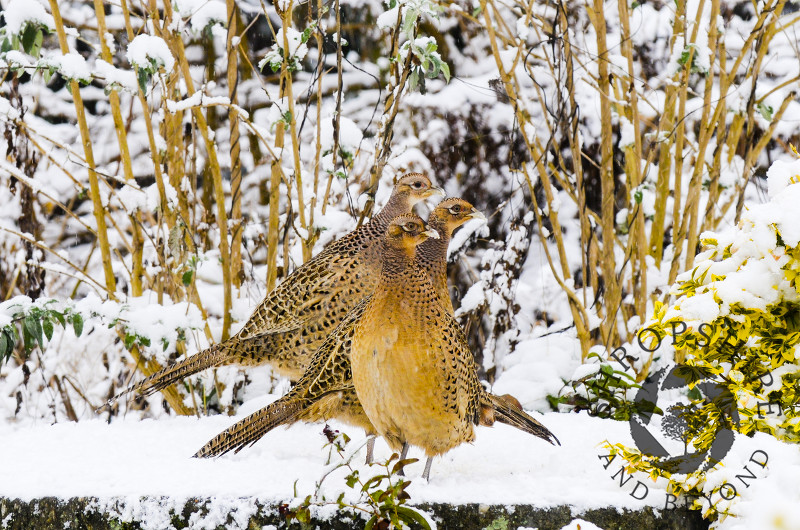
436,411
411,366
296,317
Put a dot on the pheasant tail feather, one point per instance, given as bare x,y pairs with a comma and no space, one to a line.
253,427
506,412
213,356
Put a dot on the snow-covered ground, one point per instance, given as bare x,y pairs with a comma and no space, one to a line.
131,460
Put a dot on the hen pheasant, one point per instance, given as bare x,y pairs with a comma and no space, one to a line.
446,402
295,318
412,369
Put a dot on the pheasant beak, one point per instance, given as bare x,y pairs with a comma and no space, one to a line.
434,191
475,214
431,233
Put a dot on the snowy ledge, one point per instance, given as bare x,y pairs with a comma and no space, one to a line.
140,473
79,513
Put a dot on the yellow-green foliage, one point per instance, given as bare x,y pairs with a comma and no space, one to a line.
736,321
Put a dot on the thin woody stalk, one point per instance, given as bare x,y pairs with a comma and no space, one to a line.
119,126
94,185
174,39
607,180
286,91
390,109
236,164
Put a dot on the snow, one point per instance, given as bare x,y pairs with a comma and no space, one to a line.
297,48
13,57
116,76
202,12
780,174
531,361
350,134
73,66
144,50
387,19
129,459
18,13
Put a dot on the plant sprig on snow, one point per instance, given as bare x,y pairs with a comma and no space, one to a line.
297,50
148,54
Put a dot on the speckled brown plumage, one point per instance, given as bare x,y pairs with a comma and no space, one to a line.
324,391
294,319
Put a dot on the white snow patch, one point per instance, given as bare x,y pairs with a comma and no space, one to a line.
145,50
18,13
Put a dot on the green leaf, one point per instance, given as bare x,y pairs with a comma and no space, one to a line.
765,111
60,317
143,77
129,340
352,479
6,46
408,515
47,326
77,324
445,71
371,522
400,464
5,346
28,37
187,278
37,43
34,328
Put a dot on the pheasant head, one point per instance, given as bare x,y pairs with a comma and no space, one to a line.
452,213
403,235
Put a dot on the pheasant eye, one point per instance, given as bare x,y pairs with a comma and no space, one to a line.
455,209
